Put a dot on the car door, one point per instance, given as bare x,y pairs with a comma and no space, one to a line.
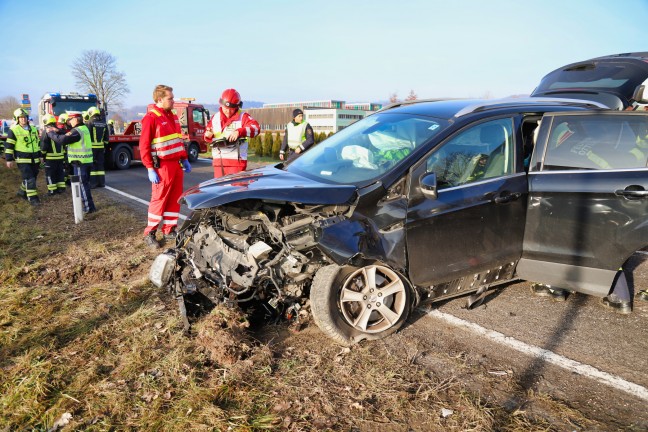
476,222
588,199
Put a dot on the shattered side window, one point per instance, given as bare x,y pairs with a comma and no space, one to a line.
484,151
597,142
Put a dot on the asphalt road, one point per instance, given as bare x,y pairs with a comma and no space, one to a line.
600,356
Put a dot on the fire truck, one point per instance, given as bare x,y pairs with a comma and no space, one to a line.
123,149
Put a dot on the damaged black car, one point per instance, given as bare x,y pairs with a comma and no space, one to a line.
420,202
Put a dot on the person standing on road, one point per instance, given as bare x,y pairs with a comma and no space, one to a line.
99,135
234,127
298,137
164,156
23,147
79,152
54,155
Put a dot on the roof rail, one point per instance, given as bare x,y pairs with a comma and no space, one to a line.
511,102
415,101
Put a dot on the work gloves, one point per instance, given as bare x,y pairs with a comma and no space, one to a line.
153,176
186,166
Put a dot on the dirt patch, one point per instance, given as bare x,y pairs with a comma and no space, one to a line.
223,334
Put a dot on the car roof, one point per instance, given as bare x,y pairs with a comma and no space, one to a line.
455,108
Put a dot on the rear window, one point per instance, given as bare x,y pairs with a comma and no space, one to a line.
597,142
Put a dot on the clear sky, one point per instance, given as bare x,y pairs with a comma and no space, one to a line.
284,51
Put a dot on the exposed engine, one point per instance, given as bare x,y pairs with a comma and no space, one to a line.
254,251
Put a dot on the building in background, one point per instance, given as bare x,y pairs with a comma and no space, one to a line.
324,116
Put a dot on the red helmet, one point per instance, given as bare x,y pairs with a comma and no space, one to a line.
231,99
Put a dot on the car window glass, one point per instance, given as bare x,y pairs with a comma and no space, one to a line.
368,148
597,142
479,153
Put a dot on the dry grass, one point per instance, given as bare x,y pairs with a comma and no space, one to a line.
82,331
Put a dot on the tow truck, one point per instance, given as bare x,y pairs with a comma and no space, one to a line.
123,149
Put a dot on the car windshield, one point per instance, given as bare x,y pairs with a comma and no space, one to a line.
368,148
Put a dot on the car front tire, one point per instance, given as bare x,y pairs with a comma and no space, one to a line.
350,304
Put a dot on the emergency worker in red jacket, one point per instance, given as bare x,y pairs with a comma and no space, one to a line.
164,156
235,126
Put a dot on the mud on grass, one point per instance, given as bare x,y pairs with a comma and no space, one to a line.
82,331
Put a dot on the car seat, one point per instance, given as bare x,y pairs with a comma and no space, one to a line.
494,136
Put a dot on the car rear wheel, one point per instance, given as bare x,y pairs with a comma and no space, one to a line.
350,304
121,157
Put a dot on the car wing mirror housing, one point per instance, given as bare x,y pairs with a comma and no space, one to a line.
428,184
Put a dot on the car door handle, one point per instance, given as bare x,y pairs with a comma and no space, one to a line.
632,193
503,199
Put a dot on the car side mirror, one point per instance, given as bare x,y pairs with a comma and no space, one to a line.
428,183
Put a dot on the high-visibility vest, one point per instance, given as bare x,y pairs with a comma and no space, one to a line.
641,150
296,134
167,142
26,147
233,150
81,150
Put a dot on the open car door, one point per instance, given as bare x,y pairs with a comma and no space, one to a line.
588,199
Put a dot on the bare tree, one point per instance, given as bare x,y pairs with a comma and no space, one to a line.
7,106
393,98
412,96
96,72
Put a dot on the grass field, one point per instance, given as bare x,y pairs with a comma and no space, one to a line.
88,343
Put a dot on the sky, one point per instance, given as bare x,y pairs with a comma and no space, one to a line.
286,51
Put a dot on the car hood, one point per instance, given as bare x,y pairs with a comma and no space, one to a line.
266,183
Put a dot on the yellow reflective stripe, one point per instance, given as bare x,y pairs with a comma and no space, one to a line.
638,154
166,138
598,160
156,112
11,141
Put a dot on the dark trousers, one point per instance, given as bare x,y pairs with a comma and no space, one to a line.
83,171
55,175
98,173
29,173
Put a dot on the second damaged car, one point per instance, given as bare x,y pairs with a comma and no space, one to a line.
420,202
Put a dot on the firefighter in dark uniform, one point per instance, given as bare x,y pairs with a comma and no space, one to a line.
64,127
54,155
79,151
23,148
99,135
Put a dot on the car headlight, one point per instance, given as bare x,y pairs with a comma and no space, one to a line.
162,269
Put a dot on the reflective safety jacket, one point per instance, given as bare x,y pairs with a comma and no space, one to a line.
246,126
51,150
161,137
22,145
98,132
81,150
